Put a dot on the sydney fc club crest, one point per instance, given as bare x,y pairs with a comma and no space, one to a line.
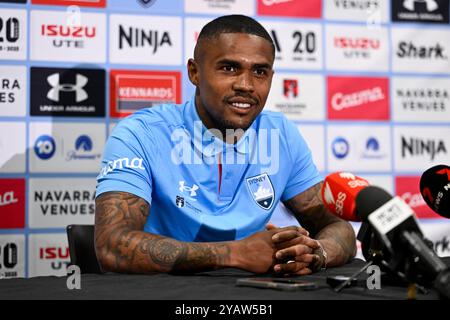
261,189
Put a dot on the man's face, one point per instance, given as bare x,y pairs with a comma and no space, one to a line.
233,73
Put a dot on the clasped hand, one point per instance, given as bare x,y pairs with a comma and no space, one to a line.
295,250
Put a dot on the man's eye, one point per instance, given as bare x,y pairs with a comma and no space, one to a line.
228,68
260,72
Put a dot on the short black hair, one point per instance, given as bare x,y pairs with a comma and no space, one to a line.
235,23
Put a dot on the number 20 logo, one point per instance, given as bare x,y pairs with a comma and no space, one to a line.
9,29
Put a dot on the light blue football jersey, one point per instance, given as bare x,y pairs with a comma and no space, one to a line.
199,187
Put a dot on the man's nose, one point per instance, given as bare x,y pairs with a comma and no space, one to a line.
244,82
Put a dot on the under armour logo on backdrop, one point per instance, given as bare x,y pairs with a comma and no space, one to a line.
57,87
411,4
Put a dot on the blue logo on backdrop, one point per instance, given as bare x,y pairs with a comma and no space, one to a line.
84,143
340,147
372,144
372,149
44,147
83,146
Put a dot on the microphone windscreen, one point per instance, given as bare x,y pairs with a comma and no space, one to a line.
339,192
435,189
369,200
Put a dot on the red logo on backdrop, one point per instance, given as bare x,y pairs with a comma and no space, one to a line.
12,203
132,90
362,98
81,3
64,31
408,188
290,88
290,8
52,253
357,43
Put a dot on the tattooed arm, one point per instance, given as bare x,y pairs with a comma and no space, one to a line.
122,245
336,235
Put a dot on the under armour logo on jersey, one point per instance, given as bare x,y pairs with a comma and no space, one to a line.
192,189
57,87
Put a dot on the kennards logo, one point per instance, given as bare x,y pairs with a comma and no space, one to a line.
136,89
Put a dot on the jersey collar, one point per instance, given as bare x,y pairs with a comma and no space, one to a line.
207,143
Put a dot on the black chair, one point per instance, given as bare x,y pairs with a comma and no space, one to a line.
82,248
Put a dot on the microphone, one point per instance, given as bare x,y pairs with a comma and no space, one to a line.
435,189
398,230
339,193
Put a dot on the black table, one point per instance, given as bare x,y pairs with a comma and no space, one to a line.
214,285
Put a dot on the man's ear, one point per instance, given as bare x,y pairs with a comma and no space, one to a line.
192,69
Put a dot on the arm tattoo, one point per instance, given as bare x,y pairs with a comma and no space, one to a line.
338,235
123,246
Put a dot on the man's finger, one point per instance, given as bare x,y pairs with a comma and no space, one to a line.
291,267
308,258
304,272
304,240
293,252
270,226
288,233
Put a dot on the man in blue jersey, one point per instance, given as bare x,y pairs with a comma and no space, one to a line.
191,187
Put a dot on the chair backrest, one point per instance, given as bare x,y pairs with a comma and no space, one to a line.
82,248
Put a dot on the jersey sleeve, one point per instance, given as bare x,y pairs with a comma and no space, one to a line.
303,172
126,165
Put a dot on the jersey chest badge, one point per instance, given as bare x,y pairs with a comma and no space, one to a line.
261,189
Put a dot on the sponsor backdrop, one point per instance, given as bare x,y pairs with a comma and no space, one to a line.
367,83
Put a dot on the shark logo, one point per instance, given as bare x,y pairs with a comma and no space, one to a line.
261,189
